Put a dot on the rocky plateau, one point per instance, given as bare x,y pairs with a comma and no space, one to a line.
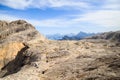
25,54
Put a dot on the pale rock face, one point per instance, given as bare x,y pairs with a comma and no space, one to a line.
8,52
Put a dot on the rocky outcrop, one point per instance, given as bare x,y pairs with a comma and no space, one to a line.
13,39
18,30
13,35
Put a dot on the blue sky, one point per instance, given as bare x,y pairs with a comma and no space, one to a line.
64,16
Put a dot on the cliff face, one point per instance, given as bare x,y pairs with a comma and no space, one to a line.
18,30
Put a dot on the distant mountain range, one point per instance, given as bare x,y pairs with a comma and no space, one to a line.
70,36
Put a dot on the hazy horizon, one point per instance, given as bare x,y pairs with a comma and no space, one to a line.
64,16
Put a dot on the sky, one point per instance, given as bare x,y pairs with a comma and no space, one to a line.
64,16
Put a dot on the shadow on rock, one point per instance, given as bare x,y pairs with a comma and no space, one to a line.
16,64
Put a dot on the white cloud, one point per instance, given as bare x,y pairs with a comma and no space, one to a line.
16,4
23,4
69,3
105,18
64,4
57,22
111,4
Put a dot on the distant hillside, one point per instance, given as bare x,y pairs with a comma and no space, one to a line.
113,36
